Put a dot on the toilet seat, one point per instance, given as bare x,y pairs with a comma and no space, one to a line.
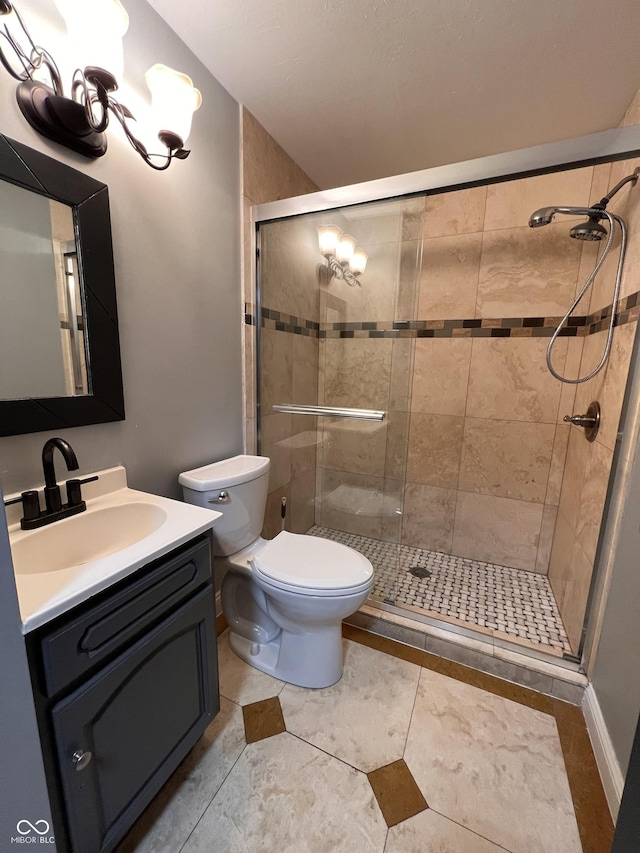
312,566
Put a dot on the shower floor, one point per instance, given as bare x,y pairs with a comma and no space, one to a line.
484,596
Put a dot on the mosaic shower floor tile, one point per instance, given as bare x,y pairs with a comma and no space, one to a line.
496,598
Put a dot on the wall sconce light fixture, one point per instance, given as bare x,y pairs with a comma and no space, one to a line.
79,122
345,260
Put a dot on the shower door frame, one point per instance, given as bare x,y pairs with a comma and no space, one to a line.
604,147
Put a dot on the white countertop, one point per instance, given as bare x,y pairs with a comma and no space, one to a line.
43,595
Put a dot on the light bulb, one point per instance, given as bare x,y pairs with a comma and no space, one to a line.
328,236
358,262
345,248
95,31
174,99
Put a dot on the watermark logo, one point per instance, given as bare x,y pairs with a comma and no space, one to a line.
33,833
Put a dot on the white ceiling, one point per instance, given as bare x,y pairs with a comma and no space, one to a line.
362,89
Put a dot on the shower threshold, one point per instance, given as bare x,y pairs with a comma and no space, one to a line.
495,600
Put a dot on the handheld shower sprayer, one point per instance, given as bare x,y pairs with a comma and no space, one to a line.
591,230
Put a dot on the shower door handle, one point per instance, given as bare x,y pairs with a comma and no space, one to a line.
330,411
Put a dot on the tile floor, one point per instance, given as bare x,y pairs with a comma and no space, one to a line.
487,596
408,752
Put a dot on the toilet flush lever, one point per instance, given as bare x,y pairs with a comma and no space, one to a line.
223,498
590,421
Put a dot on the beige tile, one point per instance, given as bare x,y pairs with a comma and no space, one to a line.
614,384
527,272
449,277
357,373
509,380
592,351
511,203
397,445
441,372
437,834
268,171
276,368
284,794
458,212
276,444
408,280
570,370
289,260
351,502
481,760
574,605
402,359
498,530
510,459
250,446
556,470
305,370
592,497
263,719
573,478
560,559
240,682
435,443
305,440
357,446
392,506
396,791
547,530
302,510
362,694
428,517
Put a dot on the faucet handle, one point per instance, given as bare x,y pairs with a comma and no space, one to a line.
74,494
30,501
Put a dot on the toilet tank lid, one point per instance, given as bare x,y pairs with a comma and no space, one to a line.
227,472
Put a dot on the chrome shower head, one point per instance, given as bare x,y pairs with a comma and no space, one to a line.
543,216
589,230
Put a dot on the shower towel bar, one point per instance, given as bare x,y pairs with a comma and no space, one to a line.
330,412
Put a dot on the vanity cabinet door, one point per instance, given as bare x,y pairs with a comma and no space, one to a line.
137,718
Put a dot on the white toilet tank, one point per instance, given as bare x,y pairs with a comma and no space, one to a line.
237,488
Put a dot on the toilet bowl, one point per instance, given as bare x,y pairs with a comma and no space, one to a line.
284,599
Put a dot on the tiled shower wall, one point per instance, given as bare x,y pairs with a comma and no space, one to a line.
268,174
481,428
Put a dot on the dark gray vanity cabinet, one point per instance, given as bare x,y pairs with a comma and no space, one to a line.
125,687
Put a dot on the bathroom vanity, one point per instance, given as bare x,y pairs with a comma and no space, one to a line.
122,656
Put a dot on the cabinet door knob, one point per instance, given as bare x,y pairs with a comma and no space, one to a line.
81,758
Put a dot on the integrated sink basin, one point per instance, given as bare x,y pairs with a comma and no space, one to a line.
85,538
66,562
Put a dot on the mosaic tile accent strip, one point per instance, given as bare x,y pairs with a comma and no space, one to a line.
480,594
628,310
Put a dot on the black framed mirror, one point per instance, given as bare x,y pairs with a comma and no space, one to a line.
89,390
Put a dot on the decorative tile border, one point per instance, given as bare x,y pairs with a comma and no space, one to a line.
628,311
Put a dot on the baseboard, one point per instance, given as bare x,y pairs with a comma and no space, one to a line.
608,766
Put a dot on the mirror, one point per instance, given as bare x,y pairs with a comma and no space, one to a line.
59,345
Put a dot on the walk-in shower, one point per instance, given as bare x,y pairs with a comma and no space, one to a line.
412,418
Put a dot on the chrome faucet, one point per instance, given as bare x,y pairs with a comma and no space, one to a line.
54,508
52,497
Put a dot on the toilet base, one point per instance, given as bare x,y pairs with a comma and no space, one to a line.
312,658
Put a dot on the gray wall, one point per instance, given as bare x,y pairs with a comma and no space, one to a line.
176,238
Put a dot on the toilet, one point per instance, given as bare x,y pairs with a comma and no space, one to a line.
284,599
